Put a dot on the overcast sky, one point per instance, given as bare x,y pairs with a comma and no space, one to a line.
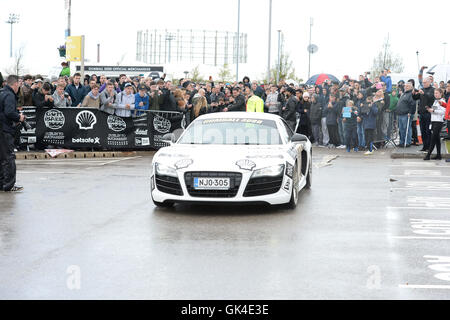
349,34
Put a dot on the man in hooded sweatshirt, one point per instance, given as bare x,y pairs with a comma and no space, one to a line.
125,101
92,100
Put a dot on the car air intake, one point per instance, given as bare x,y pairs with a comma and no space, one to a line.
263,186
170,185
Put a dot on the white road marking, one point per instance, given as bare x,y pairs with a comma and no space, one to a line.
418,176
426,173
430,202
424,185
418,164
419,238
122,159
423,286
417,208
45,172
75,162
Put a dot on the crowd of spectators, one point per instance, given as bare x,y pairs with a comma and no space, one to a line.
356,114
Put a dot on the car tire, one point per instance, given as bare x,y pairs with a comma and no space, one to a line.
309,176
292,204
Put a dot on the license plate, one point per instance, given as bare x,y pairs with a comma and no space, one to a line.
212,183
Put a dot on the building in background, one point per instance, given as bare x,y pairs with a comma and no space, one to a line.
179,50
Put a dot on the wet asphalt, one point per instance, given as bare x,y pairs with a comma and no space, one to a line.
370,228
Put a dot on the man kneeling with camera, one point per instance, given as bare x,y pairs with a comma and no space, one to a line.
9,117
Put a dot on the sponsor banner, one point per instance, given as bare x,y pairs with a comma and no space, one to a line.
92,128
122,68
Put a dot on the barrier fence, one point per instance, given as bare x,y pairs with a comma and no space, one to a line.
74,128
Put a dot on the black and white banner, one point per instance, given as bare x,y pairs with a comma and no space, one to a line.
85,127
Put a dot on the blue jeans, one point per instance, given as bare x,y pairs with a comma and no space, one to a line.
351,136
403,126
361,137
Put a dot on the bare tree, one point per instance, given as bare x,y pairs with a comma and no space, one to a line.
386,59
225,73
17,67
284,69
195,75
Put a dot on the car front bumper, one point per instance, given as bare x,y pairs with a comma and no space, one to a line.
282,196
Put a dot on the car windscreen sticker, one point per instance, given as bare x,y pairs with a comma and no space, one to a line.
238,120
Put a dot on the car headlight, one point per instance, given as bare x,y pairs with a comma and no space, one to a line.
163,170
269,171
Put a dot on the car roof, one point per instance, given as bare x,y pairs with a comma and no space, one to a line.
253,115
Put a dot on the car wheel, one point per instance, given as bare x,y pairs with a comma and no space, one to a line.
309,176
295,191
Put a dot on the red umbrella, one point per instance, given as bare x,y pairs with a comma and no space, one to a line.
320,78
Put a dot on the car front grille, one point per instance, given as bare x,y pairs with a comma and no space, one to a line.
170,185
263,186
235,182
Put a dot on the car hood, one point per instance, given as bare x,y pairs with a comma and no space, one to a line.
223,157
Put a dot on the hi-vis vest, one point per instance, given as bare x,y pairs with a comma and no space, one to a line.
255,104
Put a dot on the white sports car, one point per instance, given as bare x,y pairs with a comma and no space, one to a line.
232,157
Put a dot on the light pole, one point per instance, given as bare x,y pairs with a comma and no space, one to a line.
445,46
68,5
279,53
309,59
13,18
169,38
237,47
270,33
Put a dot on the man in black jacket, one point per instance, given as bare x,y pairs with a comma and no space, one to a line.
9,116
43,97
426,96
238,102
289,111
405,110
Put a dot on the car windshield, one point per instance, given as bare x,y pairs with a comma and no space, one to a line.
232,131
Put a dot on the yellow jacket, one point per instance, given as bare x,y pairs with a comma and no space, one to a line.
255,104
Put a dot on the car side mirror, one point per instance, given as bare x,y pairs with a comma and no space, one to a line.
299,138
169,138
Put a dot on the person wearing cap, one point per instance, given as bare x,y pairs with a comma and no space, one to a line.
141,100
125,101
65,70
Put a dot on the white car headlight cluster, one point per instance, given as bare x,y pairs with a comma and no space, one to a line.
163,170
269,171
